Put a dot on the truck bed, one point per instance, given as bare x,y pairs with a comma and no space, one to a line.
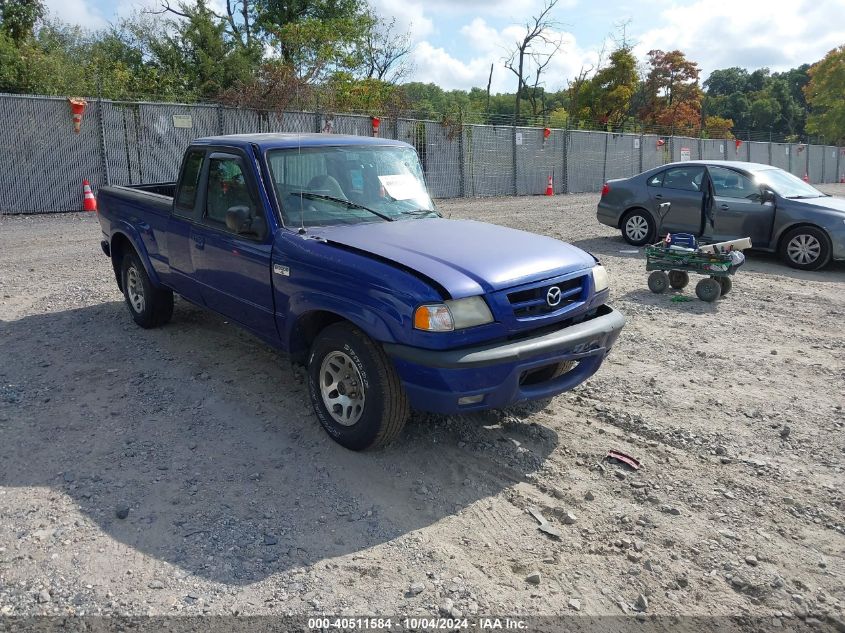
155,197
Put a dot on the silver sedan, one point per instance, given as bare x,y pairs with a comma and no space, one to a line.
726,200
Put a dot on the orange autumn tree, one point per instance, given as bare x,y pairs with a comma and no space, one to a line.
672,99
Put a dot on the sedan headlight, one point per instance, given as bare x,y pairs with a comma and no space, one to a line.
452,315
600,280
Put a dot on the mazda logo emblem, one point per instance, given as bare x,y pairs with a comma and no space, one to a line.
553,296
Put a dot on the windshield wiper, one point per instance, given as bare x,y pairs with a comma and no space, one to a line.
348,203
802,197
420,212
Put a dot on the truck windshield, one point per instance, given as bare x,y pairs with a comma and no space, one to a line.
319,186
787,185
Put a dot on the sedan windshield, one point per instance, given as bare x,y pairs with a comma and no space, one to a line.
319,186
786,185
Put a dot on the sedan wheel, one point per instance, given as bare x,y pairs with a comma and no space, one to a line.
637,228
806,248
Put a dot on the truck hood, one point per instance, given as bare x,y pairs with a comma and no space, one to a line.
465,257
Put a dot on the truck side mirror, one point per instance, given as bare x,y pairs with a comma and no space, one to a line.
237,219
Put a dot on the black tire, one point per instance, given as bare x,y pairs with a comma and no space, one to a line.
637,227
678,279
658,282
382,411
708,289
727,285
805,248
149,306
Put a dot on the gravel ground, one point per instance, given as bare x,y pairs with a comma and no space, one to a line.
180,470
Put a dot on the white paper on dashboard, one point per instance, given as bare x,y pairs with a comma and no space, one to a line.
401,186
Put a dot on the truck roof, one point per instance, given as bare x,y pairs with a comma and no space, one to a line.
266,141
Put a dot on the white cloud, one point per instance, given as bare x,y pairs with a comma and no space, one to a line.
490,45
750,34
78,12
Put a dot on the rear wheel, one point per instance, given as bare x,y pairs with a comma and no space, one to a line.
637,227
678,279
726,284
149,306
354,389
805,248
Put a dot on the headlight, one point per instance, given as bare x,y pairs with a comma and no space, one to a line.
452,315
600,278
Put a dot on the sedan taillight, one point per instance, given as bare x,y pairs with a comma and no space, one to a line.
605,190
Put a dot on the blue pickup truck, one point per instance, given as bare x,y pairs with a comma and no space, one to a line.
329,248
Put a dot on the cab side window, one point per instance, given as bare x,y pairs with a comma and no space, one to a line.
188,185
227,188
728,183
683,178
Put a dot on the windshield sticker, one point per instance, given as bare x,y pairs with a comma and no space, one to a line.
402,186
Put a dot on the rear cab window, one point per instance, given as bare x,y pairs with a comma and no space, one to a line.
187,189
656,180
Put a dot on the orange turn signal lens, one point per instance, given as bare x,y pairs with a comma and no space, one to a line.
433,318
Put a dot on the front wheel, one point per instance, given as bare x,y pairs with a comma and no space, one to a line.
708,289
658,282
805,248
637,227
354,389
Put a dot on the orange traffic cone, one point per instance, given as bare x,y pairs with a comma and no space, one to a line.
806,177
89,202
550,189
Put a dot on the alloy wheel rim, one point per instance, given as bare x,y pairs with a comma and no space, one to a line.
636,227
135,289
342,388
804,249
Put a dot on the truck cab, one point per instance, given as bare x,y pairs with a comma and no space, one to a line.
330,249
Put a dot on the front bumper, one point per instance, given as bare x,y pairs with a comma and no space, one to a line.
504,373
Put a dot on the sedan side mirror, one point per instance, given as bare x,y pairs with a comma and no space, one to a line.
767,195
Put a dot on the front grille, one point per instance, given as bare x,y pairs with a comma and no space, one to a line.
534,301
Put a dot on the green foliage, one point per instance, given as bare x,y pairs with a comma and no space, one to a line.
18,18
824,92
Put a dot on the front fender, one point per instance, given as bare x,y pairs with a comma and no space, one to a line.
365,317
122,229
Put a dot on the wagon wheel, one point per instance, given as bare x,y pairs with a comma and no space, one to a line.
678,279
658,282
708,289
726,284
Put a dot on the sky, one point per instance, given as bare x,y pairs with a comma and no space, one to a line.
455,41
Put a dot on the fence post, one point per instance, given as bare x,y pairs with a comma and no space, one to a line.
823,158
839,175
807,159
104,156
748,145
513,143
220,128
642,142
461,159
725,147
565,158
604,163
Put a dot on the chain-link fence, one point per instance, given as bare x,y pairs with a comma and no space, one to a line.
43,162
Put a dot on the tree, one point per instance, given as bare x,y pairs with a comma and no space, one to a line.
718,127
673,97
386,53
18,18
726,81
824,95
536,48
613,87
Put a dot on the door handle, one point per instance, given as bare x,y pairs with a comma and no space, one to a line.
659,196
199,241
724,206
